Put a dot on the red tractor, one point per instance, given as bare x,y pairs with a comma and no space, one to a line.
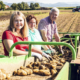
76,9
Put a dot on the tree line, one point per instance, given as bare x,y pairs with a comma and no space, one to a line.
19,6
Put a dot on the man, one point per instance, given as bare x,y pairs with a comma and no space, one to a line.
47,27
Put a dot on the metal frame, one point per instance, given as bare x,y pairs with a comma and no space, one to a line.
67,67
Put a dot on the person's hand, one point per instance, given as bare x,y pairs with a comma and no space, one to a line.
47,56
39,56
53,51
61,51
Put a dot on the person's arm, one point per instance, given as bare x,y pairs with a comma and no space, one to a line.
42,53
40,39
57,38
45,47
56,34
34,49
44,35
43,29
8,43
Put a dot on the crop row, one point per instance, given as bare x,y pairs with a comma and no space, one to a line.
68,22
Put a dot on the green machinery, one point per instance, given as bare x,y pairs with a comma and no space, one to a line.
13,62
73,38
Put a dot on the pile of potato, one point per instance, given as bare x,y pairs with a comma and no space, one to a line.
4,75
67,54
23,71
44,67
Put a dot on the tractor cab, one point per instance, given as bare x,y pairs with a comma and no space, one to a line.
76,9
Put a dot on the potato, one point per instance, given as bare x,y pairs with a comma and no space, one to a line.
44,63
36,71
29,66
42,67
35,64
23,73
19,72
46,68
35,67
2,76
53,67
44,72
22,67
31,63
38,63
58,67
3,71
53,61
29,71
59,64
15,72
8,75
55,57
53,72
62,60
47,73
48,65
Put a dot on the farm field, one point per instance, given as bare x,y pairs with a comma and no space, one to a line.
67,21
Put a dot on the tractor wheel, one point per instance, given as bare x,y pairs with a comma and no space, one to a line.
79,10
73,10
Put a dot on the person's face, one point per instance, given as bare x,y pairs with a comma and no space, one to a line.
53,15
32,24
18,22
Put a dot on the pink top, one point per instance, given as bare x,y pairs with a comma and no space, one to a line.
8,35
50,28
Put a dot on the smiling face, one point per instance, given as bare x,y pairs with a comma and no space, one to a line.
18,22
53,15
32,24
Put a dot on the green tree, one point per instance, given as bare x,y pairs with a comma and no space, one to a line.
36,5
14,6
25,5
2,5
32,6
22,6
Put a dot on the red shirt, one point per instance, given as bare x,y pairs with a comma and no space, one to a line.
8,35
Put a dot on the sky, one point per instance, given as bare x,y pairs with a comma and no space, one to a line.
41,1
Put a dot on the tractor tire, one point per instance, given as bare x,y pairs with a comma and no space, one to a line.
73,10
79,10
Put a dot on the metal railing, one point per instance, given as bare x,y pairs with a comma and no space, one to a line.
42,43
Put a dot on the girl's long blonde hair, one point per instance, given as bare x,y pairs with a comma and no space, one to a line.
24,30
